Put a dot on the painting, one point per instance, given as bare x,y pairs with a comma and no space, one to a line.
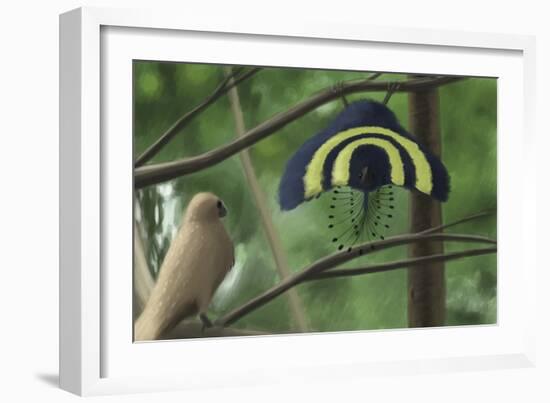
276,200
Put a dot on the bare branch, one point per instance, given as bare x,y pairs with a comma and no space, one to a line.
188,329
391,90
193,329
401,264
156,173
226,84
279,255
462,220
374,76
337,259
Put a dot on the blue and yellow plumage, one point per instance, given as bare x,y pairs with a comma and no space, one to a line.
364,148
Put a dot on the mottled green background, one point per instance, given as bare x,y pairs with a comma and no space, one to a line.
164,91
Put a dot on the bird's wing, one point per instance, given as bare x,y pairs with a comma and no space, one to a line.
365,135
226,252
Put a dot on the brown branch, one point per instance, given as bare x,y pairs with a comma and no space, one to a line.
156,173
194,329
337,259
226,84
188,329
374,76
461,221
279,255
401,264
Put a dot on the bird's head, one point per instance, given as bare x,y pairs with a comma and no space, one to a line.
205,207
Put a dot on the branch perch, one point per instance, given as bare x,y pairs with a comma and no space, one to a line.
461,221
401,264
157,173
194,329
304,276
336,259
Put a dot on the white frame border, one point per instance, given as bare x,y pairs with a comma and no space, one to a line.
80,165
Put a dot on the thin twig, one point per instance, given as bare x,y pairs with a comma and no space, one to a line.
461,221
374,76
391,90
226,84
156,173
337,259
279,255
401,264
371,77
372,245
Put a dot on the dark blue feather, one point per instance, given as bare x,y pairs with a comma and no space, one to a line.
357,114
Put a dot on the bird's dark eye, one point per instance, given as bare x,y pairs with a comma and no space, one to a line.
222,210
366,177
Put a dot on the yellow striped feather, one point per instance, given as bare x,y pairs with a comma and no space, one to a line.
313,179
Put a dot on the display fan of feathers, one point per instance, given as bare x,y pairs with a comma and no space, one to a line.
357,160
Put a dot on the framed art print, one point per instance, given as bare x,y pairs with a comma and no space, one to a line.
342,180
253,196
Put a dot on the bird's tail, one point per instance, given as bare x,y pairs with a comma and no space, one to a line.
154,322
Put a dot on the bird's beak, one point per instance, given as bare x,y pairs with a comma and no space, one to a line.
223,211
364,173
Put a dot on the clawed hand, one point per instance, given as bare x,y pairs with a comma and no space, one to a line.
206,322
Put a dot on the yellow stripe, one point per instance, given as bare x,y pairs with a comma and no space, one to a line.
313,179
340,171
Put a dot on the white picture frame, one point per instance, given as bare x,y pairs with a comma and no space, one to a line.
96,354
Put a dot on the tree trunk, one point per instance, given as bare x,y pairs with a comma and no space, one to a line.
426,285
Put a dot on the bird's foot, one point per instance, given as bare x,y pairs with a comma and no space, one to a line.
392,88
206,323
338,88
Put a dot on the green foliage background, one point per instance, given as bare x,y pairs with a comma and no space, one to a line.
164,91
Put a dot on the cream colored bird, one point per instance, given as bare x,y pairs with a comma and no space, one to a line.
197,261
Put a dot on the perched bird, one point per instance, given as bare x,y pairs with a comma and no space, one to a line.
197,261
359,157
